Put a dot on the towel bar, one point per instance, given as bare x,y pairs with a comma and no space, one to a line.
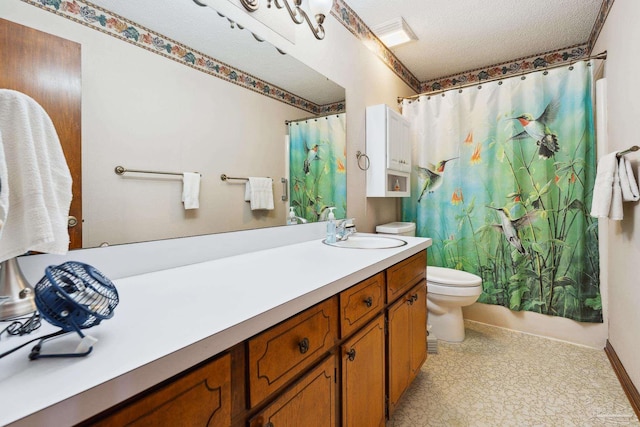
120,170
628,150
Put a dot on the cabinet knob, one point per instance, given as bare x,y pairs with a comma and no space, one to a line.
368,301
351,354
304,345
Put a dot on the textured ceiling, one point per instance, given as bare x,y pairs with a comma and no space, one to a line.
455,36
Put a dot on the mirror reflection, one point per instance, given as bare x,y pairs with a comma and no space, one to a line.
143,109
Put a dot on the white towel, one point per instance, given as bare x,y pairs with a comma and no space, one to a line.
607,195
191,190
261,193
38,179
628,183
247,192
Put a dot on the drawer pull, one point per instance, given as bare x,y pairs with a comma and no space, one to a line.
368,302
304,345
414,297
351,355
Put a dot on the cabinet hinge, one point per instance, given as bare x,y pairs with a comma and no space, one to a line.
386,326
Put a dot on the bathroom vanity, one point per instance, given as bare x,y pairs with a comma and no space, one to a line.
302,334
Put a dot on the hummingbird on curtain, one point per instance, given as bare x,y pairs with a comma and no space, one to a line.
510,227
538,129
312,154
433,176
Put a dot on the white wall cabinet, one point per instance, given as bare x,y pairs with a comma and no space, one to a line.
389,150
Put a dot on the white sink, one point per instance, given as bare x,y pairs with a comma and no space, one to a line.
367,242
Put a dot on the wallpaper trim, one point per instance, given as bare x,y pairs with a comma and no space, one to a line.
92,16
600,20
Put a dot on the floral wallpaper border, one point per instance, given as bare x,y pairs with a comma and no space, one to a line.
345,15
95,17
506,69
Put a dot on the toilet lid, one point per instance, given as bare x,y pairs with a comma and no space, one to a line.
451,277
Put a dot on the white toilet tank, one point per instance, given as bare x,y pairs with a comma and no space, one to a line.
397,228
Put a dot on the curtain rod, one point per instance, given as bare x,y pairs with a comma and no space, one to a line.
602,55
287,122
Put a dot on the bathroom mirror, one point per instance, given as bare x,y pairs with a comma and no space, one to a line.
145,110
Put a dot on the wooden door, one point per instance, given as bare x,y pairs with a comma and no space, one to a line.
48,69
310,402
418,329
363,391
398,350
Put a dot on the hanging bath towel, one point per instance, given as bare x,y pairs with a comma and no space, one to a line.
261,193
38,181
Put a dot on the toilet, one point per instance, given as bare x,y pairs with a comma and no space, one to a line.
448,290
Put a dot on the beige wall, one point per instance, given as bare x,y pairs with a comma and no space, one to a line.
619,37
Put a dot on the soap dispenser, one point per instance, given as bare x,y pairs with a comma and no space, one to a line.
292,219
331,226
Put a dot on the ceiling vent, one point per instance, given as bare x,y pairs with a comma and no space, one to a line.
395,32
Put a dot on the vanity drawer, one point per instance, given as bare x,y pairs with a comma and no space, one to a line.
402,276
361,303
282,352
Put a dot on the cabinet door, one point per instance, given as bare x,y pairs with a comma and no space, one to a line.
398,350
394,148
310,402
201,397
363,391
398,142
418,329
407,341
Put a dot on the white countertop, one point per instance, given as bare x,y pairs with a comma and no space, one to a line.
170,320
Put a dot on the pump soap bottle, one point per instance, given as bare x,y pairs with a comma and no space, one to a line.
331,227
292,219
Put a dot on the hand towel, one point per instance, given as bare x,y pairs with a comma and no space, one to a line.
191,190
607,197
261,193
38,179
628,183
247,192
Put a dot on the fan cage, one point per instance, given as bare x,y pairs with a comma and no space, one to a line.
75,296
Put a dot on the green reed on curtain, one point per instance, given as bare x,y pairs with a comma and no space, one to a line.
317,169
503,185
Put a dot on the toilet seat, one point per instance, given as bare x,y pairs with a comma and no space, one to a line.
453,278
454,291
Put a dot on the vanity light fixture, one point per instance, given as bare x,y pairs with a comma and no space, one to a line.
319,9
395,32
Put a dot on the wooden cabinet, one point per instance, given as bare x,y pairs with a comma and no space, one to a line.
277,355
344,361
310,402
360,303
406,341
201,397
405,274
388,145
363,377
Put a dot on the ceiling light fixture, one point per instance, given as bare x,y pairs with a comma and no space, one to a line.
395,32
319,9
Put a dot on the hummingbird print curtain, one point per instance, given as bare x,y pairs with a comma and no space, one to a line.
502,181
317,166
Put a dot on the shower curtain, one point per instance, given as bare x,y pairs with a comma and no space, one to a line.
502,182
317,166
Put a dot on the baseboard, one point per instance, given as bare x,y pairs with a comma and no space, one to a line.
627,385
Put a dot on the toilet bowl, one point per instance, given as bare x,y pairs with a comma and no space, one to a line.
448,290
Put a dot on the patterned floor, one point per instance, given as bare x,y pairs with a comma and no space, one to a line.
498,377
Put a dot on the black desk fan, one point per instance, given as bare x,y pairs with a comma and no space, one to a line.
73,296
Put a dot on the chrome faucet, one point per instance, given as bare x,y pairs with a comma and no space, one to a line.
345,228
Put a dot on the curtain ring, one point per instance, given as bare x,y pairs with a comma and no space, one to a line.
367,162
